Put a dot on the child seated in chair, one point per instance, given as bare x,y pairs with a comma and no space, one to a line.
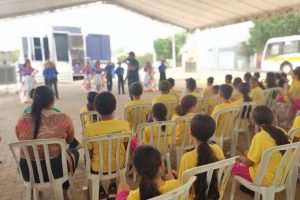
89,107
207,92
105,104
248,165
214,99
225,92
206,152
191,87
186,107
165,95
148,163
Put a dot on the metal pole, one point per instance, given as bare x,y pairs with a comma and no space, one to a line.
174,50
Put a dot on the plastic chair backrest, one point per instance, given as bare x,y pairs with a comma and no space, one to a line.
245,114
31,153
187,142
293,132
112,143
230,118
88,118
223,168
212,102
171,105
271,95
162,142
290,157
199,91
202,105
181,193
137,114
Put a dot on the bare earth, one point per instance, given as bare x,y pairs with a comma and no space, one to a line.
72,98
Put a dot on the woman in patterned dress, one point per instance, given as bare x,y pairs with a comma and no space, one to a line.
44,123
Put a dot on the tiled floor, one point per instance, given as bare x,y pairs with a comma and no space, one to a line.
72,98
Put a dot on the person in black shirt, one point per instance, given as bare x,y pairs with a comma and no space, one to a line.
133,70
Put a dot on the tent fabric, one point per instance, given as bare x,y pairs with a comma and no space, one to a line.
188,14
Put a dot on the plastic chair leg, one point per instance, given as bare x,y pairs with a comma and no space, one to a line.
95,189
178,158
256,196
27,192
72,188
36,194
58,191
233,187
168,160
268,195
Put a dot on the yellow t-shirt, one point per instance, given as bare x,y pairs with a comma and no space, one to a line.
132,103
253,94
221,120
147,136
207,92
295,89
103,128
236,95
163,97
189,160
296,125
167,187
260,142
176,93
212,102
179,128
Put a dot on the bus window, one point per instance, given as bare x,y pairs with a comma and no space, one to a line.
291,47
274,49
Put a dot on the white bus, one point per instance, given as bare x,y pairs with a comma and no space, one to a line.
281,54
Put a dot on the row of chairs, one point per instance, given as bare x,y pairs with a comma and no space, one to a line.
284,178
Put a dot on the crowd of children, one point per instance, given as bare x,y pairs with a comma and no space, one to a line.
147,160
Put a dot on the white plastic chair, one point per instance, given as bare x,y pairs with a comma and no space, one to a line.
292,134
187,142
30,148
244,121
270,98
88,118
230,118
223,169
287,168
113,143
202,106
181,193
137,114
177,93
171,105
159,138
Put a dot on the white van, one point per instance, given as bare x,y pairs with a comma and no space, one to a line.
281,54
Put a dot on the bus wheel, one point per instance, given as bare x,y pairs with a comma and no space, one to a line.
286,67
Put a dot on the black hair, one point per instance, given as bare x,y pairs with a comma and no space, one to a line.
31,93
210,80
228,77
159,111
236,82
247,77
91,101
215,89
203,127
136,89
263,116
296,71
171,82
226,91
186,103
147,170
164,86
105,103
256,75
43,97
244,89
191,84
271,80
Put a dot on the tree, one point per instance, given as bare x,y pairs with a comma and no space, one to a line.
246,50
163,46
141,58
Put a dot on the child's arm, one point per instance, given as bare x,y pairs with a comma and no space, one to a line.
245,161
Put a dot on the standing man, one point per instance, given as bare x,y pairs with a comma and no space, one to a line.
162,71
133,70
109,69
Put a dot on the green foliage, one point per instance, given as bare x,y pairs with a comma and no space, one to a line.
163,46
273,27
246,50
144,58
122,57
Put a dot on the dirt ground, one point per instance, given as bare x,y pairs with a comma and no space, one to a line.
72,98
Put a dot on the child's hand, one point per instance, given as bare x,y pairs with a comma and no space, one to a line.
171,175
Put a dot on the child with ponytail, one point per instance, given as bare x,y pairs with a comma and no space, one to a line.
151,183
202,129
186,107
248,165
90,106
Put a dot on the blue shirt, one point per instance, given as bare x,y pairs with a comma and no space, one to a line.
133,75
110,69
50,73
119,71
162,68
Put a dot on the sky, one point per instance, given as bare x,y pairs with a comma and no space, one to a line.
128,30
